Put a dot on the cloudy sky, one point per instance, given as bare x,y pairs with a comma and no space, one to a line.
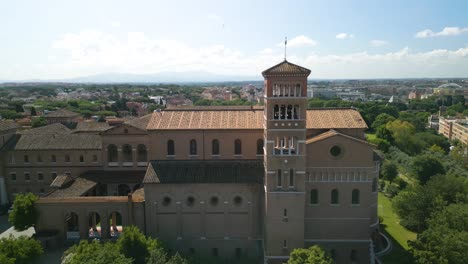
336,39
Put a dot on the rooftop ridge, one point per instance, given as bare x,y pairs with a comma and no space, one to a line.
213,108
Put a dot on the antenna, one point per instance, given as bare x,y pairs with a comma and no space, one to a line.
285,44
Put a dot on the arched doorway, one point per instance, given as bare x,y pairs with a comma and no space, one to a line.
123,189
72,226
94,225
116,227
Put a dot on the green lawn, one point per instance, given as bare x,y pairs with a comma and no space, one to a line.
398,234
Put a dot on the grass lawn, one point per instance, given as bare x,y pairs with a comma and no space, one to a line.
398,234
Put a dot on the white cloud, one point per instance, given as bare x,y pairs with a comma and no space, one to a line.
344,36
92,52
447,31
299,41
378,43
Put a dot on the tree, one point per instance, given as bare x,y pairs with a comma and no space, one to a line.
382,120
24,214
133,244
94,253
33,111
446,239
389,171
425,166
312,255
21,250
38,122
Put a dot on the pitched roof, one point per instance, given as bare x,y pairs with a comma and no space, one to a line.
246,118
59,142
91,127
61,180
286,68
62,113
331,133
6,125
78,188
51,129
206,171
140,123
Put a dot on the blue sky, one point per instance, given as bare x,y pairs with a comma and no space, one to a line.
336,39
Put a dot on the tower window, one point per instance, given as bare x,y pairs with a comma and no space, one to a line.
260,147
276,112
314,196
291,178
279,180
355,196
334,197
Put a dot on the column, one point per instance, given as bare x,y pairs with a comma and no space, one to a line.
83,224
105,232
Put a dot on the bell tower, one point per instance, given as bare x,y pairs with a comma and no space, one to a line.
285,135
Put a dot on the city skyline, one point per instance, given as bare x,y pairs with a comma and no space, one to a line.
54,40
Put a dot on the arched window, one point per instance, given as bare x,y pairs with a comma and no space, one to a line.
298,90
276,112
237,147
170,147
334,196
127,153
53,158
260,146
355,197
112,155
283,112
291,178
215,147
289,112
314,196
142,153
279,179
193,147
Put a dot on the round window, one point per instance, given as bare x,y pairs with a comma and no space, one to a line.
166,201
335,151
190,201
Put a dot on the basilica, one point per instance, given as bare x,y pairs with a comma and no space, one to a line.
235,182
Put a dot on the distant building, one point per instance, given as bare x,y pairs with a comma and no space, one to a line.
62,116
454,129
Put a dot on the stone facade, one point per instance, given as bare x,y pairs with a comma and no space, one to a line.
234,182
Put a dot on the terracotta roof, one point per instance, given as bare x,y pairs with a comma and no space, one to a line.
87,199
61,180
91,127
58,142
206,171
56,128
79,187
228,118
62,113
150,175
140,123
327,118
6,125
332,133
286,68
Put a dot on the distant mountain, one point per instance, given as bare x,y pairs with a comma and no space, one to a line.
163,77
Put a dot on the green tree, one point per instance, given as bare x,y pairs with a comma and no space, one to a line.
133,244
382,120
446,238
312,255
38,122
21,250
8,114
94,253
425,166
24,214
389,171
